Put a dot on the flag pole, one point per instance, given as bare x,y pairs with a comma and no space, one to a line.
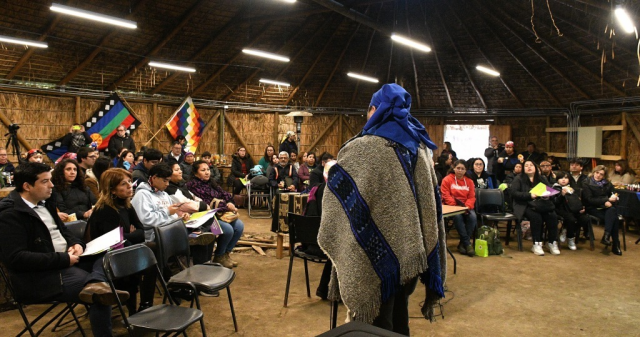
165,123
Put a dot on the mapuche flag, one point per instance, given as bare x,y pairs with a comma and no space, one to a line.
100,126
187,122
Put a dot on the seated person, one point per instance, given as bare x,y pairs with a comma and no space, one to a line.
600,201
114,210
76,138
481,178
517,170
622,174
240,167
34,156
43,257
215,173
284,175
186,166
125,160
443,165
555,166
175,153
305,170
70,191
532,153
202,186
102,164
293,159
316,175
458,190
547,172
140,172
265,161
569,207
5,164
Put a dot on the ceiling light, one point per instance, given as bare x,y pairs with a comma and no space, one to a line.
488,71
9,39
171,66
289,1
625,20
266,55
93,16
284,84
410,43
363,77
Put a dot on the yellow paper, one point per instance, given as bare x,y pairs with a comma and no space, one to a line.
196,216
539,190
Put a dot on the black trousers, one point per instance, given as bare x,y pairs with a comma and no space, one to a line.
537,219
573,221
323,287
237,186
394,313
610,217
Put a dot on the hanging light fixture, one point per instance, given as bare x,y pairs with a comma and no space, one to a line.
624,19
487,70
363,77
283,84
265,54
23,42
81,13
171,66
408,42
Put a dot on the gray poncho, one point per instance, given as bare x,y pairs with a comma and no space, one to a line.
382,225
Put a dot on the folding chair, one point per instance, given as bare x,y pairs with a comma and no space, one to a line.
29,325
302,229
490,206
169,318
598,222
172,240
77,228
259,195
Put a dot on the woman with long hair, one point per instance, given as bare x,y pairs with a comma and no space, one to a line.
265,160
304,172
481,178
622,174
534,207
126,160
240,167
207,189
102,164
458,190
600,201
70,191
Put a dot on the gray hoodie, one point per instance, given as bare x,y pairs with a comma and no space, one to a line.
152,208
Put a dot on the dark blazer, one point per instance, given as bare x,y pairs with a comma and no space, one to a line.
27,251
116,144
74,200
577,185
316,176
106,219
519,191
594,196
168,158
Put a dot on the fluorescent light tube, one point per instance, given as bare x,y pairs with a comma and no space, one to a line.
15,40
93,16
260,53
289,1
410,43
363,77
171,66
284,84
625,20
488,71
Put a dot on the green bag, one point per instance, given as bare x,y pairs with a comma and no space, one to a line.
482,248
492,236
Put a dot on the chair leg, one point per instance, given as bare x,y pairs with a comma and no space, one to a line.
624,237
71,308
508,233
286,292
519,235
334,315
306,276
592,247
233,312
455,263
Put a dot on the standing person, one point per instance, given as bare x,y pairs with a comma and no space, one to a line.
531,153
240,167
600,201
288,143
507,159
535,208
5,164
120,141
269,151
76,138
375,281
492,153
42,255
458,190
448,150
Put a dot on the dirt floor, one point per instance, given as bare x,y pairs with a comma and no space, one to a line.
585,293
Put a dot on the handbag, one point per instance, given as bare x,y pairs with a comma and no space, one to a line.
226,216
482,248
541,205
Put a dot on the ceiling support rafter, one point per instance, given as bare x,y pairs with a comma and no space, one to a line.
223,30
105,40
464,66
435,53
315,62
306,12
167,37
218,72
558,71
413,60
484,55
27,55
366,57
335,68
352,14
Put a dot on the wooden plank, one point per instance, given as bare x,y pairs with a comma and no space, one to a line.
276,122
612,158
241,249
27,55
623,136
235,131
259,250
558,154
604,128
76,115
603,157
556,129
634,130
324,132
614,122
548,137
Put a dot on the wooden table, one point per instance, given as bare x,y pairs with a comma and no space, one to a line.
4,192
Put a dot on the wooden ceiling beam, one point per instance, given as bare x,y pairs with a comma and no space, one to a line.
570,59
366,57
313,65
540,56
335,68
105,40
186,18
484,55
352,14
306,12
413,60
464,66
27,55
220,70
435,54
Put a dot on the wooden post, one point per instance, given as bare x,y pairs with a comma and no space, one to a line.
340,137
276,123
235,131
346,123
76,116
154,122
221,132
548,136
623,137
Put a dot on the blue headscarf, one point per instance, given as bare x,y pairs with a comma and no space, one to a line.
393,121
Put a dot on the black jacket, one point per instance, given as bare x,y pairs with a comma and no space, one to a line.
236,167
316,176
173,188
594,196
577,185
140,174
519,192
68,142
169,158
288,147
279,174
117,143
74,200
106,219
27,251
492,158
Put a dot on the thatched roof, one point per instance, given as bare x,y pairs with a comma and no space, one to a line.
324,42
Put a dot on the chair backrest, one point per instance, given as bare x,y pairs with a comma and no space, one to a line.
489,201
303,229
128,261
172,240
77,228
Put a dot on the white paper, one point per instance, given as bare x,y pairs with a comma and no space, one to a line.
103,242
200,221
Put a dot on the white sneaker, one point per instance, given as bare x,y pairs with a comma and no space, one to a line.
537,249
572,244
563,236
553,248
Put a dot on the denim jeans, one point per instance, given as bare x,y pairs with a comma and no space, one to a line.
465,224
231,233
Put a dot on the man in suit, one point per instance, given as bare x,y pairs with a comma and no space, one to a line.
176,153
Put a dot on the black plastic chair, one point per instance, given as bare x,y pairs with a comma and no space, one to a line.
77,228
173,241
490,206
29,325
304,230
169,318
599,222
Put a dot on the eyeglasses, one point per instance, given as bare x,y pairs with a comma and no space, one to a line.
120,130
545,165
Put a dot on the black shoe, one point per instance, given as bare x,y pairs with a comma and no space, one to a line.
606,239
615,248
462,249
470,250
322,294
144,306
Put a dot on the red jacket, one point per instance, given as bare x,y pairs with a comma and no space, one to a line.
463,190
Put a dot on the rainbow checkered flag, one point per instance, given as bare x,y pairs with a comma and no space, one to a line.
113,112
187,122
